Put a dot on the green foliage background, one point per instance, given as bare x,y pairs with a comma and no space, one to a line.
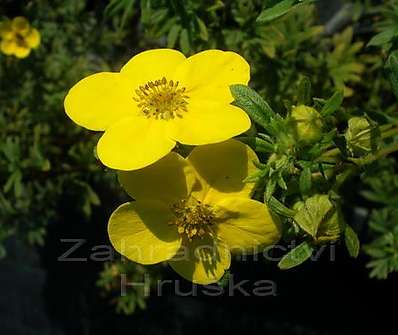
296,58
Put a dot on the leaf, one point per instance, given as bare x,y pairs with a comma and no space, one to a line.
313,212
281,182
10,181
255,176
276,11
392,72
351,241
217,5
203,33
173,35
277,207
333,103
305,181
270,189
258,144
296,256
184,41
304,92
125,7
93,197
383,37
252,103
18,187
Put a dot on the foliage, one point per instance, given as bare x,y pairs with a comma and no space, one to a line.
41,158
382,189
135,295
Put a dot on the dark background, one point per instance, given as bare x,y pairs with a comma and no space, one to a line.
40,295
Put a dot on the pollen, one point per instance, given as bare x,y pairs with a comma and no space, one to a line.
162,99
193,218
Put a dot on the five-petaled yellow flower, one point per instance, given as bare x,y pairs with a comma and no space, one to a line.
18,38
160,97
193,212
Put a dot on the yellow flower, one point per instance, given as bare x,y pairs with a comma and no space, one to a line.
18,37
193,212
158,98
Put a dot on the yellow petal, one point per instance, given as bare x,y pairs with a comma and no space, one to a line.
245,225
33,38
141,232
222,167
169,180
134,143
99,100
8,47
202,261
208,74
6,31
21,51
153,65
208,122
20,25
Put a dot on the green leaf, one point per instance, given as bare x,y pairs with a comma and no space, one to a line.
93,197
173,35
10,181
281,182
304,92
333,103
255,176
252,103
351,241
305,181
203,33
392,72
270,189
18,187
258,144
383,37
277,207
184,41
296,256
276,11
313,212
124,7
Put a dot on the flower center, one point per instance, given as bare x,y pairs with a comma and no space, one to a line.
161,99
193,218
20,40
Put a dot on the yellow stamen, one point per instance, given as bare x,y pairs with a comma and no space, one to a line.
162,99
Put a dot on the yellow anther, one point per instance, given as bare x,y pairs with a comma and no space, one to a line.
161,99
193,218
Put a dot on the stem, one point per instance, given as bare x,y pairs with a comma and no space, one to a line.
380,154
328,154
386,132
389,133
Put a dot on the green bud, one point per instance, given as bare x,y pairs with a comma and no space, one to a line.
357,136
307,124
319,218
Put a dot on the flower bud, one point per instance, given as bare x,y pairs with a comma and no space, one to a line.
307,124
357,136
